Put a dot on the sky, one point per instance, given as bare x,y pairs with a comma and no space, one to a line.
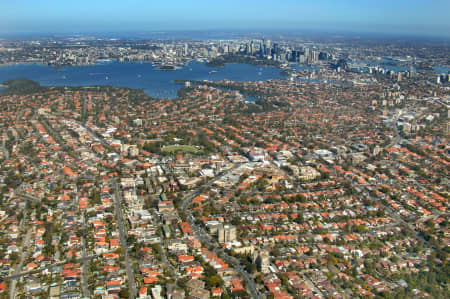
412,17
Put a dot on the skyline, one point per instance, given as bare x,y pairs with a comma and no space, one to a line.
415,17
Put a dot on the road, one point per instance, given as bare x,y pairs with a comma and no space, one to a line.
123,241
205,238
166,262
83,115
101,139
400,220
84,275
4,149
27,196
394,214
187,198
23,250
84,268
22,274
397,138
312,285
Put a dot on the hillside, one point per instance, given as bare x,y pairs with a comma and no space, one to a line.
21,86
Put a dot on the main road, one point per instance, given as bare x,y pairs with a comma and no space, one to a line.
123,241
84,276
203,236
23,251
39,270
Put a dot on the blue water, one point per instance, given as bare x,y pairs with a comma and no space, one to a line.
442,69
438,69
387,67
156,83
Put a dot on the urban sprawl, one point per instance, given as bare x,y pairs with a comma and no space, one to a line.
330,183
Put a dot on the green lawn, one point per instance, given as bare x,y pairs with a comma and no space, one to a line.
171,149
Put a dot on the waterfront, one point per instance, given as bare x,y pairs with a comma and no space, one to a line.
154,82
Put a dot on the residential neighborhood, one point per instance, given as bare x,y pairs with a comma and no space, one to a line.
334,185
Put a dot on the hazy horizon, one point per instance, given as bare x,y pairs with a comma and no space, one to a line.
409,18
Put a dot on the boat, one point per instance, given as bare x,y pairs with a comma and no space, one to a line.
104,60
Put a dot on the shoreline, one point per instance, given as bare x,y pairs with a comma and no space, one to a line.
177,67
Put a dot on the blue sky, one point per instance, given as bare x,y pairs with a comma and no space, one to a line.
421,17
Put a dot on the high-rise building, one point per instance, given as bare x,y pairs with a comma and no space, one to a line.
314,56
227,233
412,71
307,53
267,48
276,50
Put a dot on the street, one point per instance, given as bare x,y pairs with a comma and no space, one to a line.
23,250
123,241
203,236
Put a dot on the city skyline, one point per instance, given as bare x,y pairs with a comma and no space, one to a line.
415,17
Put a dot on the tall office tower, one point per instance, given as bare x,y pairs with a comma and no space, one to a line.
307,53
267,51
262,47
302,59
314,56
276,50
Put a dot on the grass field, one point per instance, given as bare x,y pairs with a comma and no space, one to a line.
172,149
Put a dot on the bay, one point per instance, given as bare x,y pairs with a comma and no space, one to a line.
154,82
441,69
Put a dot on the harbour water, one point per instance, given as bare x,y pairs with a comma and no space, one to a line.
156,83
442,69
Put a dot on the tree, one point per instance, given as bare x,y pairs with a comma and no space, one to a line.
14,256
299,218
225,295
214,281
251,268
124,293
